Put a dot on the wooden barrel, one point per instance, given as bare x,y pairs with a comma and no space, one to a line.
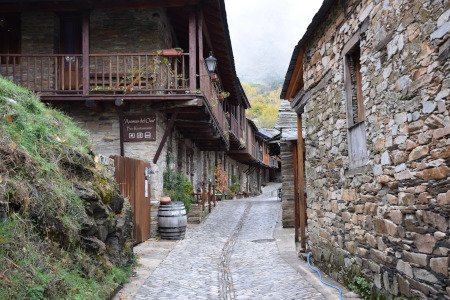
172,221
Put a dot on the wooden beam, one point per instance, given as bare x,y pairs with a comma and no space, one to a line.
85,51
206,33
122,147
193,123
164,138
301,184
296,192
296,81
200,50
178,104
192,53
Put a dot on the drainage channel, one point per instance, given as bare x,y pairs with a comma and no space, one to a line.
226,287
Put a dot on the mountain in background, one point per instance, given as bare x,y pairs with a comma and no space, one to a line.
265,101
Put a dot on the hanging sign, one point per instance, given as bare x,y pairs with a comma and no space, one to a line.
140,128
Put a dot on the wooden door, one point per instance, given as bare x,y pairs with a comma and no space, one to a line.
132,175
70,43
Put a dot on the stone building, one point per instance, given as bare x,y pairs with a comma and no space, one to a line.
134,74
287,124
370,81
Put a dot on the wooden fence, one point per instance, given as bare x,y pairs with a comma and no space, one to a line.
132,177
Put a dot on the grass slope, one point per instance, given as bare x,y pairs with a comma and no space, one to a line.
41,255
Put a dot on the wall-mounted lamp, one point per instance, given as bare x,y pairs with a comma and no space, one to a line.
211,63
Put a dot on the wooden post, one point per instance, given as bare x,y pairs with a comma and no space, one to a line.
204,194
214,194
122,147
85,52
165,136
200,49
296,191
301,183
192,53
209,197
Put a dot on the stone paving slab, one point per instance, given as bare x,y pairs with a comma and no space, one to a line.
232,255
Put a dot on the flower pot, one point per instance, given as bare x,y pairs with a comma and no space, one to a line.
172,52
214,77
164,200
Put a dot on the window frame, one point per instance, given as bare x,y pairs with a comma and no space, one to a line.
356,131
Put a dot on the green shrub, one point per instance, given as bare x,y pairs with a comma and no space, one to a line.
235,185
178,187
362,286
41,255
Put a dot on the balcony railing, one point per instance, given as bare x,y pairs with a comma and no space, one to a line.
234,126
108,73
211,96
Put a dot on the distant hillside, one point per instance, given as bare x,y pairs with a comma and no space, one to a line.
265,101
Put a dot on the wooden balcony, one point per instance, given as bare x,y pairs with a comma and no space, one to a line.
211,95
108,74
237,135
131,76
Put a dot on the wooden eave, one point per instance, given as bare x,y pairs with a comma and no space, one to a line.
318,19
296,82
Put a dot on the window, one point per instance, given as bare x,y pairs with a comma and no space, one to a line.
357,144
354,72
9,35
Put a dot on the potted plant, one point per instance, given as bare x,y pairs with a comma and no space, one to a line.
172,52
222,95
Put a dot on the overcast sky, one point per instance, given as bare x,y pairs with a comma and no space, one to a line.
264,34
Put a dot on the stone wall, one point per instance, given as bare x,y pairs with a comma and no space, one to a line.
111,31
287,186
388,220
105,136
38,32
129,30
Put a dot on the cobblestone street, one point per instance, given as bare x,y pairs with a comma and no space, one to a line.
231,255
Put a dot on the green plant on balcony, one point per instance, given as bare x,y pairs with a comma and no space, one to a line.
223,95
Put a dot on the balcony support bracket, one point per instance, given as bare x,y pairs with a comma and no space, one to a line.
165,136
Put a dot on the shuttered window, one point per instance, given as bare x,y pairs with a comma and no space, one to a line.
357,143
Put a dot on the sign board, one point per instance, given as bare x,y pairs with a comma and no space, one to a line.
140,128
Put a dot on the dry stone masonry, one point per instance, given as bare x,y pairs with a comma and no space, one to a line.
387,219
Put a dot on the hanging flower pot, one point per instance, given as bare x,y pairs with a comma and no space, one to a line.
214,77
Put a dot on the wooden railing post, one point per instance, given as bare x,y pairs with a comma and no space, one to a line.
201,70
192,53
85,51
